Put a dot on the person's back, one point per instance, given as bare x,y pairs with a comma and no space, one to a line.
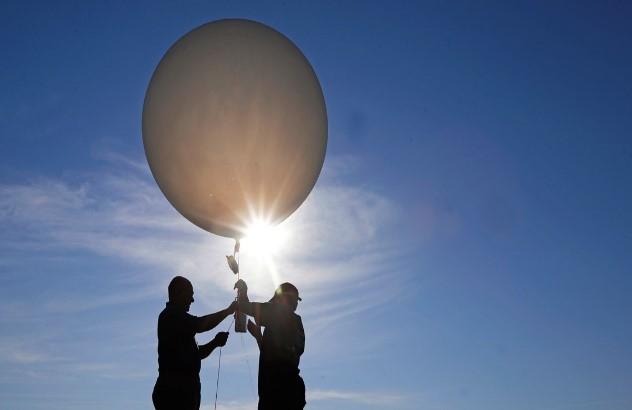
177,349
179,356
178,384
282,345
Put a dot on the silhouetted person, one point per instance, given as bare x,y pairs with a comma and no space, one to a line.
179,356
281,346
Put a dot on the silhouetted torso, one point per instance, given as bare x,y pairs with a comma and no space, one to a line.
177,349
283,343
178,384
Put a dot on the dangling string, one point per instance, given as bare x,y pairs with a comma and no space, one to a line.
219,365
219,360
252,385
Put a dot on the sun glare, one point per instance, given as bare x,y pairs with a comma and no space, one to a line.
264,239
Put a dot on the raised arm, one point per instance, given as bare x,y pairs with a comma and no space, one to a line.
246,306
208,322
255,331
243,304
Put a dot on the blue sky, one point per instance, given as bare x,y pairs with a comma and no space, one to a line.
466,247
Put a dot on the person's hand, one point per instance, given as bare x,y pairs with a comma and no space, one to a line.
241,286
231,308
220,339
253,329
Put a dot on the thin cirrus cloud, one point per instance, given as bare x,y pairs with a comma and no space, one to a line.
19,354
335,238
376,399
361,398
337,246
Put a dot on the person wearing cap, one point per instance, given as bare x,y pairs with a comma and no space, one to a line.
280,346
179,356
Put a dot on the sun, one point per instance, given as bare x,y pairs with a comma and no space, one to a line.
264,239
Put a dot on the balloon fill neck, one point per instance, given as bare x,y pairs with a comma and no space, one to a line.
233,264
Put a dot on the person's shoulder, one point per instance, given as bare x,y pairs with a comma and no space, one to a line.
189,316
277,311
283,309
170,312
164,312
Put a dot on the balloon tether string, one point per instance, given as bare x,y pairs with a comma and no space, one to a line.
219,360
219,365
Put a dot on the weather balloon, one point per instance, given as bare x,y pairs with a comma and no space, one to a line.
234,126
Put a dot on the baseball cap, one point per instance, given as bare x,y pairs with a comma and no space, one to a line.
285,288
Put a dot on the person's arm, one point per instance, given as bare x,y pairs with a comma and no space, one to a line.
208,322
244,305
252,309
219,340
255,331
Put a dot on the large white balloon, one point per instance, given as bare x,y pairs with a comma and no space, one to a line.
234,126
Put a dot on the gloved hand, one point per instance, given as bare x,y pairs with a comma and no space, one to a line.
242,291
241,286
220,339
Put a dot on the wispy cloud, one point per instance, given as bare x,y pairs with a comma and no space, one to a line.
313,396
336,239
106,370
374,399
339,254
231,405
37,361
21,355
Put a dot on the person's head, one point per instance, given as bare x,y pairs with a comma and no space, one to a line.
286,294
181,292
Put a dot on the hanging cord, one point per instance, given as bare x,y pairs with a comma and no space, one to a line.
252,385
235,268
219,365
243,344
